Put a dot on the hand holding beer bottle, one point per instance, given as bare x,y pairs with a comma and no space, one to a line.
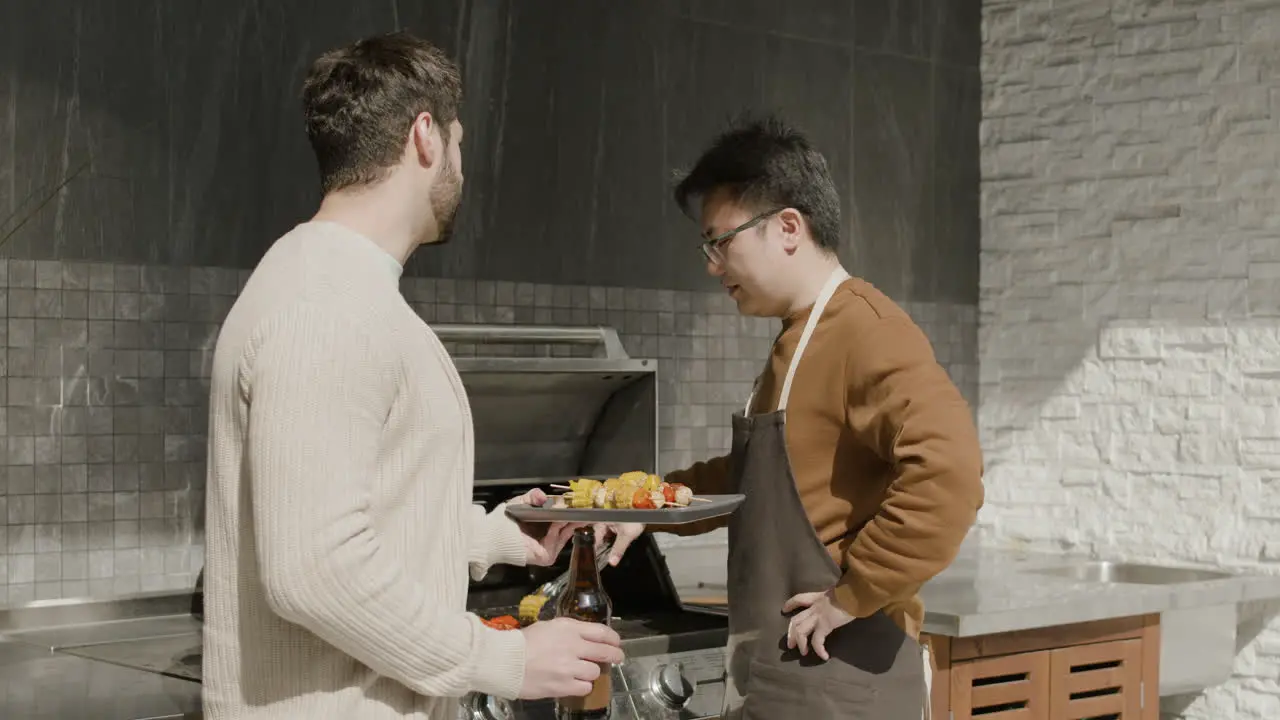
570,657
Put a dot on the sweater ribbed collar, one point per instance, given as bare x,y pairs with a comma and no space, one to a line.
364,245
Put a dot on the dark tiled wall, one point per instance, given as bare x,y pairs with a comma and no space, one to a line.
155,152
103,408
103,415
171,133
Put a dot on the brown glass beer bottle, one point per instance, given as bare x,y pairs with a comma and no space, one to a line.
584,599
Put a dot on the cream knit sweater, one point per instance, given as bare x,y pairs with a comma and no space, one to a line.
340,524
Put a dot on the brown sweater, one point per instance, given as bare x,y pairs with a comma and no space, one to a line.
883,447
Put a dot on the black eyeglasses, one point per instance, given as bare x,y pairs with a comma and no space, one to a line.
713,247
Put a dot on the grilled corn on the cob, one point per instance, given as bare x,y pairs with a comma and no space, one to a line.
531,607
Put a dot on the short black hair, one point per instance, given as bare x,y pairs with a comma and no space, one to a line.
765,163
360,100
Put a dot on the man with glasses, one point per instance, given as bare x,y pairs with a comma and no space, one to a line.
858,456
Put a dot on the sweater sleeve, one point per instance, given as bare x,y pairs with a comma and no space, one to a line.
902,403
319,393
495,538
708,477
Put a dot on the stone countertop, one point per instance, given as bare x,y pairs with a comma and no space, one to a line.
114,661
988,590
40,684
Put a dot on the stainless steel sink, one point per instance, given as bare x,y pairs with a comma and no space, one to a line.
1197,644
1105,571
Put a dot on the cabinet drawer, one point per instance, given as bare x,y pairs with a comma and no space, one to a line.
1091,681
1012,687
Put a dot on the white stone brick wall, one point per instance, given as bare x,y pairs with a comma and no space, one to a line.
1129,341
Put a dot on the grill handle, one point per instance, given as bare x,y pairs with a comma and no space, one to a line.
606,337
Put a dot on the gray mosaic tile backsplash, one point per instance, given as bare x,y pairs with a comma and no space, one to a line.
103,408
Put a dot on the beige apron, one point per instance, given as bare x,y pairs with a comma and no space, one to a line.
875,671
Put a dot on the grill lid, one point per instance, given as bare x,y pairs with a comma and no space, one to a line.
540,420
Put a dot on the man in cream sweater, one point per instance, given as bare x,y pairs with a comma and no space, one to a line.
340,523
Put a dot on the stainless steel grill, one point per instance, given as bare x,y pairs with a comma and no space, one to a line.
544,420
538,420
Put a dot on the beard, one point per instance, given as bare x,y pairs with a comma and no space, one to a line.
445,197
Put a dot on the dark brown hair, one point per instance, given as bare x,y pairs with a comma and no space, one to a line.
765,163
360,100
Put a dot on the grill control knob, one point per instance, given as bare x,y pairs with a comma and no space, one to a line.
487,707
670,686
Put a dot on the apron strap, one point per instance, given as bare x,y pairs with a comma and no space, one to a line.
746,409
927,713
837,276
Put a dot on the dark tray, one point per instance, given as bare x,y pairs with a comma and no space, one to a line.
716,506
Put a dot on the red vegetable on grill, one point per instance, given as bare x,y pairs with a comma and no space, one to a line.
504,622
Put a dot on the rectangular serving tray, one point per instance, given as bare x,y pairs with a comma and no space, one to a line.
717,506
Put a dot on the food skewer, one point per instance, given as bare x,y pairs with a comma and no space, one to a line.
632,490
608,501
695,498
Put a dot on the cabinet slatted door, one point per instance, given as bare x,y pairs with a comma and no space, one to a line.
1097,682
1012,687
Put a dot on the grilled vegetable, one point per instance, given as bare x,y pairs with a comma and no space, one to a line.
624,498
580,498
505,622
630,490
531,607
641,500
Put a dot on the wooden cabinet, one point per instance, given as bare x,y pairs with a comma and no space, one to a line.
1106,669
